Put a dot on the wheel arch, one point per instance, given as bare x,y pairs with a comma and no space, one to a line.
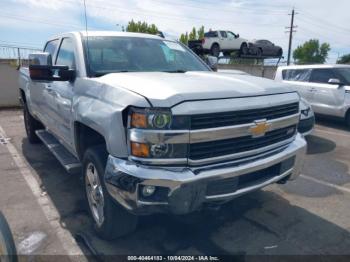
86,137
215,43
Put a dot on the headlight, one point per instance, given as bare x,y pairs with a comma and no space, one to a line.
156,122
306,111
150,118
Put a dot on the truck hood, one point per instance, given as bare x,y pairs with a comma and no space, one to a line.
167,89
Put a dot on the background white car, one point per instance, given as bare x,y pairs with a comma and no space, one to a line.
325,87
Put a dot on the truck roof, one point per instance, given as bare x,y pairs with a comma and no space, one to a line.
107,33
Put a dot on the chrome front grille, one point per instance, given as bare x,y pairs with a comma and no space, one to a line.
239,144
213,120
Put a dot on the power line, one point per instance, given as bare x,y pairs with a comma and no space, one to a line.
38,21
326,22
110,7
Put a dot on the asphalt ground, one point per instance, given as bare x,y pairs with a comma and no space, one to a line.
46,209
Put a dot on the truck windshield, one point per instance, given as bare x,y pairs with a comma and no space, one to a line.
344,73
113,54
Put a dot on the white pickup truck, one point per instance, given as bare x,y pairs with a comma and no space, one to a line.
218,41
152,128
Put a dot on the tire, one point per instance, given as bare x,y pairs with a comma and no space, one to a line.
7,245
259,52
244,50
215,50
110,219
347,119
280,53
31,125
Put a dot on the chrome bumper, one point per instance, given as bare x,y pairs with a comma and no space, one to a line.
184,189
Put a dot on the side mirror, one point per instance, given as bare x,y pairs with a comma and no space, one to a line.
212,62
237,36
335,81
41,69
40,59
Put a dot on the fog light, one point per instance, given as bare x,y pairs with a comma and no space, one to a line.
160,150
148,190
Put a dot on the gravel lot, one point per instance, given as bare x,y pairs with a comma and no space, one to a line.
46,208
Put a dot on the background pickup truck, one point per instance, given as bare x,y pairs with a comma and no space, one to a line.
215,42
153,129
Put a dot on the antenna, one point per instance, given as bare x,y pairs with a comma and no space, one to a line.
87,40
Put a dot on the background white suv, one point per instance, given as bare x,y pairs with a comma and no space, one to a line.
325,87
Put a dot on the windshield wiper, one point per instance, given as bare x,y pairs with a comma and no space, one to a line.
175,71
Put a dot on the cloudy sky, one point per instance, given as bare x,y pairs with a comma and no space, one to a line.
29,22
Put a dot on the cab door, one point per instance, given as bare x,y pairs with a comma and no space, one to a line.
224,43
62,94
327,98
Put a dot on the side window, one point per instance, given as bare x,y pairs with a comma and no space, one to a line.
301,75
321,75
65,54
51,47
223,34
211,34
231,35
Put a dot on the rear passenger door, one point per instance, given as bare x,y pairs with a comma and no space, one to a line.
327,98
38,89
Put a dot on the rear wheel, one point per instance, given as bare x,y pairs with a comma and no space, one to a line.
31,125
280,53
215,50
110,219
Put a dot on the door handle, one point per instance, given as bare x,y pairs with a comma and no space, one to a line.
313,89
51,91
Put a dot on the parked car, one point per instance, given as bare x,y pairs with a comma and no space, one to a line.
325,87
265,48
307,118
218,41
153,129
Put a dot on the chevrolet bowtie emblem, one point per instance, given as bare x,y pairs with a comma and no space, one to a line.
260,128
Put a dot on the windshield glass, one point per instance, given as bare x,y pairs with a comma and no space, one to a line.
111,54
345,74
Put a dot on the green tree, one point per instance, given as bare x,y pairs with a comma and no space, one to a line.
311,52
142,27
184,38
200,32
345,59
193,34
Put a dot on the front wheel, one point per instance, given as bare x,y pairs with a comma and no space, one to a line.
347,119
110,219
244,50
7,246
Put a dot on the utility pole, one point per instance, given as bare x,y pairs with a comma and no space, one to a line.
291,31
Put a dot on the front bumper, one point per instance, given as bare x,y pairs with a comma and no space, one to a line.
182,190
